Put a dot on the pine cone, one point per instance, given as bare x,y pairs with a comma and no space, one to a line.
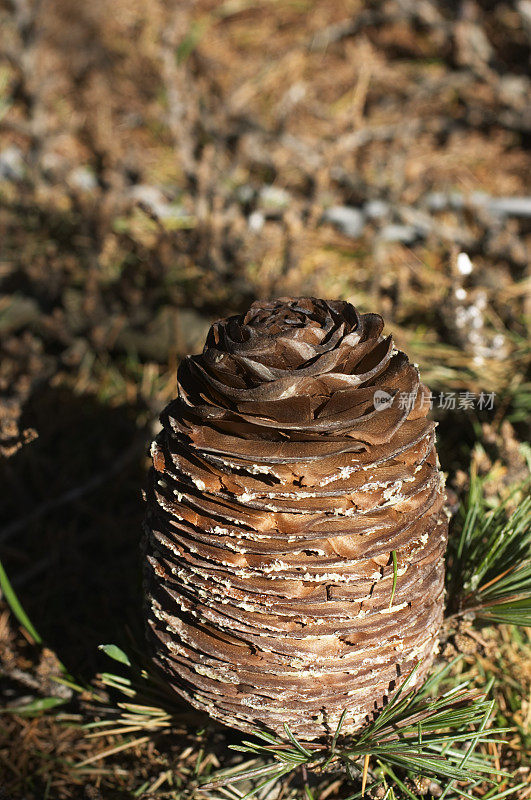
295,460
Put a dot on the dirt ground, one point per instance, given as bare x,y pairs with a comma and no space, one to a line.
165,163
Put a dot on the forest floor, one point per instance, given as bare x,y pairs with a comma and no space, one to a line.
163,164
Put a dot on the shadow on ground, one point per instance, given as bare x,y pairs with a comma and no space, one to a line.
72,512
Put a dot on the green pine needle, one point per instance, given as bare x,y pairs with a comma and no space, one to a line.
489,558
16,606
414,734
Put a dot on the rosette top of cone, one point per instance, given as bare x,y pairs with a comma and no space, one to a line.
285,334
301,366
295,529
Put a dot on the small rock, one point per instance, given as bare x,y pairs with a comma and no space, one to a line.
514,90
524,7
273,198
256,221
172,329
464,264
377,209
349,220
399,233
510,206
83,178
53,165
150,196
479,199
11,164
245,193
18,312
438,201
192,328
174,212
420,220
161,208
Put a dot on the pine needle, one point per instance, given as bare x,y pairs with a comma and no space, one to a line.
16,606
365,773
489,558
415,734
112,750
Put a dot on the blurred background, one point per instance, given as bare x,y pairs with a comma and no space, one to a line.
163,164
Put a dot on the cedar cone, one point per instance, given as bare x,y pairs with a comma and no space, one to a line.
296,458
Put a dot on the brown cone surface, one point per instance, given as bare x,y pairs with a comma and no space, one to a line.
295,460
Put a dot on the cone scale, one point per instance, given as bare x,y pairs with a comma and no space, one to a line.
295,529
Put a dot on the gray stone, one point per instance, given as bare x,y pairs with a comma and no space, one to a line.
348,219
510,206
161,208
273,198
256,221
438,201
18,312
83,178
399,233
377,209
11,164
245,193
524,7
181,330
